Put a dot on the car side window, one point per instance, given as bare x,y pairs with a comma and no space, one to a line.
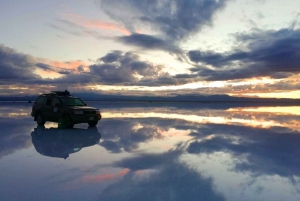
49,101
55,101
40,100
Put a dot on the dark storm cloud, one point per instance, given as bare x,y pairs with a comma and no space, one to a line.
266,53
122,68
111,57
44,66
64,72
174,19
150,42
216,59
117,67
47,67
80,68
16,67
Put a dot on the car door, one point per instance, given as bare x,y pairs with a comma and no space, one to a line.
56,112
47,110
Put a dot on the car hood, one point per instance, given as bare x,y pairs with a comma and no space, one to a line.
81,108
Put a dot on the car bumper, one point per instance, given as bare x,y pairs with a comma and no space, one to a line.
85,118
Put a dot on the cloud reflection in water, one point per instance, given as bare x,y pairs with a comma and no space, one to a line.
170,153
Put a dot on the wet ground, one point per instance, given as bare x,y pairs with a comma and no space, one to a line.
153,152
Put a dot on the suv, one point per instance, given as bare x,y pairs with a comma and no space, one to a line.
61,107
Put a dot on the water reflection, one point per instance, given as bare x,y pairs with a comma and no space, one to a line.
251,117
161,177
165,153
60,143
127,135
14,129
273,151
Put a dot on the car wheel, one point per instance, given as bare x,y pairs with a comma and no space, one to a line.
93,123
68,121
40,119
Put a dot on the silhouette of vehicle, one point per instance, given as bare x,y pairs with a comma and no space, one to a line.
60,143
61,107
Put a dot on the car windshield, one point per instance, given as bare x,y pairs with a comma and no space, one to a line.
72,101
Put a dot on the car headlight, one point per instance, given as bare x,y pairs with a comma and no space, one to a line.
78,112
98,112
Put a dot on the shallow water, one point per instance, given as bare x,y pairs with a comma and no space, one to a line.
153,152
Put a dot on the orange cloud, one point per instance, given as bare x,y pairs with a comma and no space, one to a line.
47,74
138,172
67,65
58,66
105,177
95,23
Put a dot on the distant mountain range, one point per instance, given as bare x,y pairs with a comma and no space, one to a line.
178,98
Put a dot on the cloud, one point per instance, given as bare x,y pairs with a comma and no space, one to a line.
116,67
216,59
75,29
19,68
105,177
124,68
43,66
16,67
111,57
119,68
263,53
174,19
66,67
95,23
72,65
150,43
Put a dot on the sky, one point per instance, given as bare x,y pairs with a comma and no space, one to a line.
151,47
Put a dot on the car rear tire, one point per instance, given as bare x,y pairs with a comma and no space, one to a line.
68,121
93,123
40,119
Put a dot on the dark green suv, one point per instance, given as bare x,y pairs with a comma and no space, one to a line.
61,107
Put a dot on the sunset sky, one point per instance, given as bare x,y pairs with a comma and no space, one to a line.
151,47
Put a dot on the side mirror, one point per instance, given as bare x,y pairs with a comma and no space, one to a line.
85,104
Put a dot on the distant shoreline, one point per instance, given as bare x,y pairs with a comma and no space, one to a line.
277,102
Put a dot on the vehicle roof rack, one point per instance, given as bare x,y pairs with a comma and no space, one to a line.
61,93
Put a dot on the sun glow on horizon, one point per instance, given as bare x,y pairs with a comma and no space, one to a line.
195,85
295,94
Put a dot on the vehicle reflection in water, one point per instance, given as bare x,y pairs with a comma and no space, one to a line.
160,153
60,143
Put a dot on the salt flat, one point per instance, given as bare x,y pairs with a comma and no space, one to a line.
153,152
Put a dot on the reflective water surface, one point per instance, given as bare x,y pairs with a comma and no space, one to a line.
153,152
